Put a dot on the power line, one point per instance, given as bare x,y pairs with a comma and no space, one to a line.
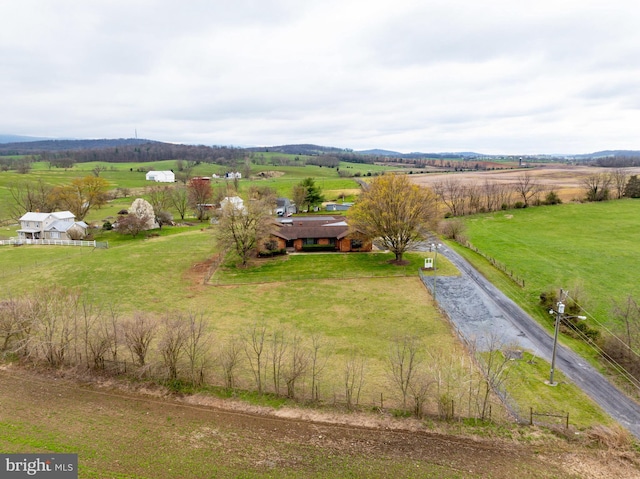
595,320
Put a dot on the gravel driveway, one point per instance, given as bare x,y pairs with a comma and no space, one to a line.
480,312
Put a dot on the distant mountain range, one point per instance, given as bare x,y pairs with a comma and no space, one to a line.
35,144
18,139
25,144
304,149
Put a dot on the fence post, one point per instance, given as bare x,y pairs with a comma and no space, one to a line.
531,416
567,424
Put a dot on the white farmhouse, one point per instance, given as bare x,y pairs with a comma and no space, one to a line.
51,226
161,176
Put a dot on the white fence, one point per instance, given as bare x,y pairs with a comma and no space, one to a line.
20,241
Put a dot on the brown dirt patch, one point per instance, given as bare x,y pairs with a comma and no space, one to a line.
200,272
251,438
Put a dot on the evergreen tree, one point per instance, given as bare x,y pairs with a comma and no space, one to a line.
632,190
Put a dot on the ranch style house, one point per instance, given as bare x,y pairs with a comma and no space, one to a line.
308,233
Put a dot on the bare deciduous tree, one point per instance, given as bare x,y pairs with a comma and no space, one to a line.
453,194
278,347
419,388
230,356
628,313
526,187
454,228
254,349
173,338
319,357
180,200
619,180
138,334
159,197
354,375
12,323
597,186
30,196
197,346
90,316
495,368
55,325
403,361
99,343
295,366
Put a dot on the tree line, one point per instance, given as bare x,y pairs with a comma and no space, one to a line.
60,327
459,198
128,153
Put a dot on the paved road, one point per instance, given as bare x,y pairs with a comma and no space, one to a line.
480,311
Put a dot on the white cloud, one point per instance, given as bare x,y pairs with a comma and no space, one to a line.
491,76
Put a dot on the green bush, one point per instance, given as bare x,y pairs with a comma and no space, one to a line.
552,198
318,247
272,253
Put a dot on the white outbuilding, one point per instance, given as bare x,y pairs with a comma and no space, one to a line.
161,176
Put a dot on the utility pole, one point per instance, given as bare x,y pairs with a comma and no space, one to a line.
559,313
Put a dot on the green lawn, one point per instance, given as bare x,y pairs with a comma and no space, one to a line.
356,302
590,249
326,266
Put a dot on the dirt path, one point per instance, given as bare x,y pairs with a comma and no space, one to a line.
38,412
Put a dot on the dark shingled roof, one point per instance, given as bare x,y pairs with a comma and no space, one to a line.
312,227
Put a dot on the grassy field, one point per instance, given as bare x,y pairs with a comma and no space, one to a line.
358,309
356,302
590,249
132,177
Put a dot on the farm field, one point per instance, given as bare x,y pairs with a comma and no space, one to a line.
565,180
129,433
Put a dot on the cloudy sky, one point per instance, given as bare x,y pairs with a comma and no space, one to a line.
516,77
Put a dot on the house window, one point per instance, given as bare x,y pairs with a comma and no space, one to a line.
356,244
55,235
310,241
